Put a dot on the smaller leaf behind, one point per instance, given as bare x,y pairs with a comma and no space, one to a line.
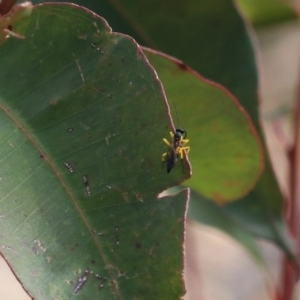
226,155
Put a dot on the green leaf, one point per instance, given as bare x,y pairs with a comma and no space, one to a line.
82,118
268,11
212,38
225,151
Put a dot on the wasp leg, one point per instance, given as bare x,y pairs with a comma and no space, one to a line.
184,141
186,149
163,158
181,150
182,165
167,142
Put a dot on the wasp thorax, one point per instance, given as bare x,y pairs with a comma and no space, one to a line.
177,148
178,134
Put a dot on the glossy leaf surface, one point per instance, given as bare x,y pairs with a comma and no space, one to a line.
82,118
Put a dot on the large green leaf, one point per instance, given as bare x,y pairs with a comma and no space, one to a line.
82,120
225,153
212,38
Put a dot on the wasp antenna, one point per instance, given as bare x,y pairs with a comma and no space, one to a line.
176,112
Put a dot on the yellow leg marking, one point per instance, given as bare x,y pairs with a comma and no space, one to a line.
163,156
186,149
180,151
183,150
184,141
167,142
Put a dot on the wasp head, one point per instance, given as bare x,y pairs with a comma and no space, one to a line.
179,133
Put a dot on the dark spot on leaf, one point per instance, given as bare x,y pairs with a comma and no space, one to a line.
35,250
93,262
139,196
9,27
74,246
138,245
102,91
110,96
41,156
81,282
85,180
182,66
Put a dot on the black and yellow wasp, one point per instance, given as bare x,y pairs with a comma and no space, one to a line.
176,149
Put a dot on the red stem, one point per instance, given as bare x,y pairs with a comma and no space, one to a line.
290,273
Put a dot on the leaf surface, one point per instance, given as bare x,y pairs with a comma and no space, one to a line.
82,118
